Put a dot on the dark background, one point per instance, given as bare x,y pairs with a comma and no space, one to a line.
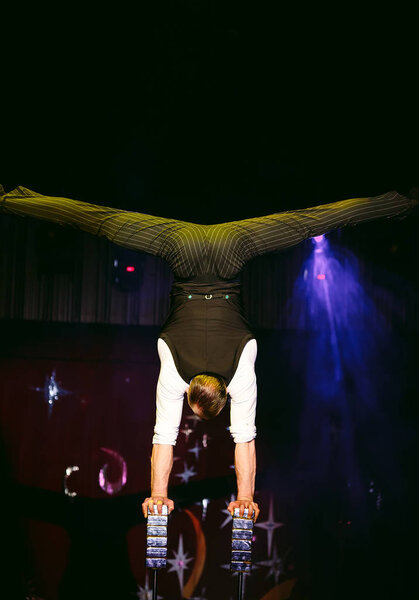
207,111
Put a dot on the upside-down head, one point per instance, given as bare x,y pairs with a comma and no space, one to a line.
207,395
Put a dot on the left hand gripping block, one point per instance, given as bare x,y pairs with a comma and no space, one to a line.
157,538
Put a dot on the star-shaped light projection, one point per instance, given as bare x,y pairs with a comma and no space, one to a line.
186,431
225,510
196,450
186,474
146,593
270,525
180,562
52,391
275,564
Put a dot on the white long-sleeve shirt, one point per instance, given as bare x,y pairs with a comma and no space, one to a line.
171,389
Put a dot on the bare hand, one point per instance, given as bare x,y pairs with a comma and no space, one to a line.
241,505
159,501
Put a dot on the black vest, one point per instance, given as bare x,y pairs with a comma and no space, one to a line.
206,330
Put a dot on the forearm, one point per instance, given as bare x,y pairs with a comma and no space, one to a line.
245,465
161,466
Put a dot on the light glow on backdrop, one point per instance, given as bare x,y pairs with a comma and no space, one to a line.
343,362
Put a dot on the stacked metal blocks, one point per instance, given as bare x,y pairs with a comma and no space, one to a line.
241,542
157,538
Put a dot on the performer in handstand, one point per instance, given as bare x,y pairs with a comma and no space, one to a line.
206,347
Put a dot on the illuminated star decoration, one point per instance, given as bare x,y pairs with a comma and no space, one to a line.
226,511
196,450
52,391
180,562
146,593
275,564
186,431
270,525
186,474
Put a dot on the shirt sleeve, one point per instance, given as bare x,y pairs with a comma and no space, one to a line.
133,230
169,398
243,395
282,230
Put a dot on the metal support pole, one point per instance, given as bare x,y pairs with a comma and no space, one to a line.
240,586
154,584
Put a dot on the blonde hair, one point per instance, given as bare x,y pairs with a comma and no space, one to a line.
209,393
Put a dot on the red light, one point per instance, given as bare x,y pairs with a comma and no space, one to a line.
321,276
130,269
